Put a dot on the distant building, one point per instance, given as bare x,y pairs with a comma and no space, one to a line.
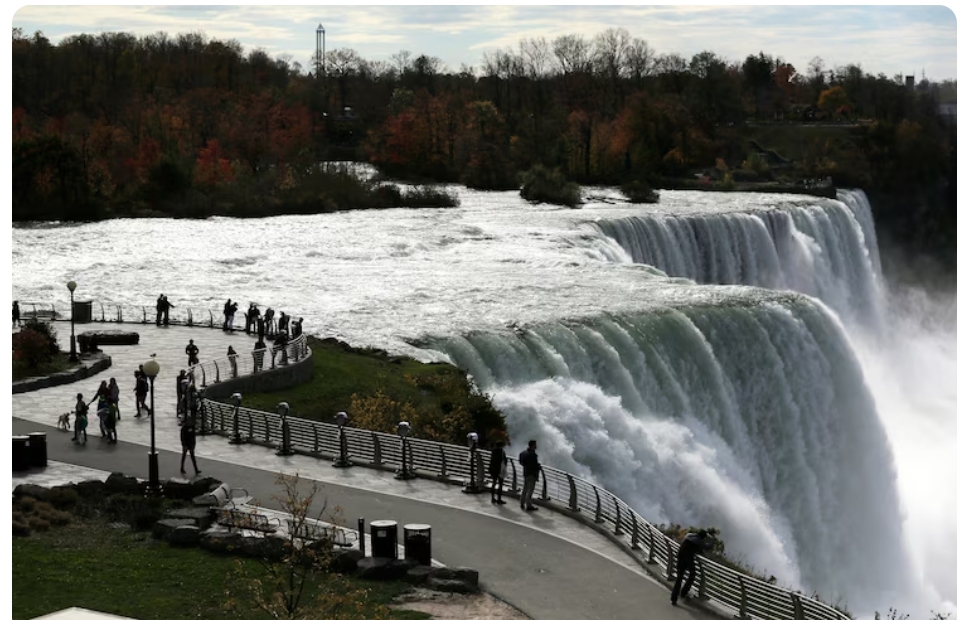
948,112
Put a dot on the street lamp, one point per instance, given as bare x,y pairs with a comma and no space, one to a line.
236,435
285,448
403,429
73,341
341,418
154,489
473,486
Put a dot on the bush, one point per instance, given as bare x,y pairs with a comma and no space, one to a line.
542,185
62,498
428,197
20,528
31,348
38,525
639,192
140,512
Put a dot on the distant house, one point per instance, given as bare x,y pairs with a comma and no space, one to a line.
948,112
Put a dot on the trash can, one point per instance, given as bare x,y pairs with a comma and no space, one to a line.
37,449
83,311
418,543
21,459
384,539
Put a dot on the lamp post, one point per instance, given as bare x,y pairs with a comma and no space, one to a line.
154,489
235,434
341,418
473,486
403,429
285,448
71,286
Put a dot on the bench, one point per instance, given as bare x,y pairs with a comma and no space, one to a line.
234,519
318,531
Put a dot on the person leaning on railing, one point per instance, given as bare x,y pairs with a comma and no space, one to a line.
692,545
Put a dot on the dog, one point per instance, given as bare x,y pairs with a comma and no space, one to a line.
63,422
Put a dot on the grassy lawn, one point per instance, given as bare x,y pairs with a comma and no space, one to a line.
340,372
88,564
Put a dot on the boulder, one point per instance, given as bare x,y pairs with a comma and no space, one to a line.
201,517
119,483
381,569
418,575
32,490
460,573
185,536
90,488
221,541
458,586
163,527
345,560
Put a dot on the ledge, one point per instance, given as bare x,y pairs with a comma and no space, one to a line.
90,365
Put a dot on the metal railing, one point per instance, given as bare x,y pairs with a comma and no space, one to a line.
743,594
248,362
120,313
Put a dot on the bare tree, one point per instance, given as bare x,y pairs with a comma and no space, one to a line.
571,54
640,59
611,52
536,57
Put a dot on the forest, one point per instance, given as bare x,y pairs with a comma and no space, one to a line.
114,125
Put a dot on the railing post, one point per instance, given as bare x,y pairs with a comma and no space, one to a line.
544,486
618,518
651,558
377,448
267,428
635,532
250,427
203,376
598,505
670,562
202,409
145,315
572,494
700,565
211,324
514,476
120,314
743,602
797,608
217,372
190,317
444,461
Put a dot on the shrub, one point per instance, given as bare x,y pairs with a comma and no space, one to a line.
727,182
26,504
542,185
31,348
62,498
428,197
38,525
140,512
639,192
20,528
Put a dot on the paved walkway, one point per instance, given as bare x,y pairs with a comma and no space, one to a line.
543,563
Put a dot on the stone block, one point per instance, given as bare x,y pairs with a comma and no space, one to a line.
163,527
90,488
32,490
418,575
201,517
185,536
345,560
461,573
119,483
458,586
381,569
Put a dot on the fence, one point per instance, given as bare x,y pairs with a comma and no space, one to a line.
746,596
119,313
248,363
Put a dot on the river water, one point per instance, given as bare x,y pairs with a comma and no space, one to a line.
729,360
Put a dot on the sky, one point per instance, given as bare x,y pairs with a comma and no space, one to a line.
888,39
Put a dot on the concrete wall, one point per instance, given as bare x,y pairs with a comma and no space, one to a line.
91,364
280,378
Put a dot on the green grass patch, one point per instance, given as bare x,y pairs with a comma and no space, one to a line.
88,564
375,387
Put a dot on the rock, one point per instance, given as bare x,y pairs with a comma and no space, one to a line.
201,517
461,573
220,541
345,560
163,527
185,536
381,569
119,483
89,340
32,490
418,575
451,585
90,488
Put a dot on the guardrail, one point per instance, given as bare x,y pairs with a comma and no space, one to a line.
747,596
247,363
120,313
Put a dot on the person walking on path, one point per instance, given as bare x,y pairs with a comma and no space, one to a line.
102,406
692,545
110,422
531,469
259,347
113,396
80,419
232,358
498,469
16,314
192,351
188,442
140,392
181,382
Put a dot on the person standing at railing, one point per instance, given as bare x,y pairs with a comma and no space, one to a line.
283,323
227,314
259,347
296,328
531,469
167,310
160,308
268,321
281,344
232,358
692,545
498,469
16,314
192,351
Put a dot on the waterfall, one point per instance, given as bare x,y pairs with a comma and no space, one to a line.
750,414
825,249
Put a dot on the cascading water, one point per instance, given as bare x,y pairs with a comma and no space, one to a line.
751,415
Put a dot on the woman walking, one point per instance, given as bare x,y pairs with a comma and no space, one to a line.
232,357
113,398
188,441
110,423
80,420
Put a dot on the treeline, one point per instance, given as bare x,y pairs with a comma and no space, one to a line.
113,124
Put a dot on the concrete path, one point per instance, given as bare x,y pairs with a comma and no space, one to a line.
545,564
